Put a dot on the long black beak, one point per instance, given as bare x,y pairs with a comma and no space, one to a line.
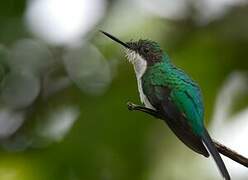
115,39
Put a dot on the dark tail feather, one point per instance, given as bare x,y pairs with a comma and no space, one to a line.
213,151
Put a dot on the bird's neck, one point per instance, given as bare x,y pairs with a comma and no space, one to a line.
141,66
164,64
166,61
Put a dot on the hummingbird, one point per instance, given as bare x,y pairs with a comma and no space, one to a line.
172,93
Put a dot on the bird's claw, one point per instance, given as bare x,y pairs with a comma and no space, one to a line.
131,106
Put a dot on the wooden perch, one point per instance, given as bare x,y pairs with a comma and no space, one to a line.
220,147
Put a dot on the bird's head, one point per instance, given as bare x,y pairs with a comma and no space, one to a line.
147,50
142,50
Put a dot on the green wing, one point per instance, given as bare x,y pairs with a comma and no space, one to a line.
184,93
188,102
178,103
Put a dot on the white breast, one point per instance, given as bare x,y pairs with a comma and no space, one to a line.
143,97
140,66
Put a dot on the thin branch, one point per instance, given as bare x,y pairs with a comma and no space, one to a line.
220,147
231,154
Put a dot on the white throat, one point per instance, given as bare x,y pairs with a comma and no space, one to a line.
138,62
140,66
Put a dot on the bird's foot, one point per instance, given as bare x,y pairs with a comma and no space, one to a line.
131,106
134,107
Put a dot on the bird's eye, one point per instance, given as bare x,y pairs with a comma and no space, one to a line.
145,50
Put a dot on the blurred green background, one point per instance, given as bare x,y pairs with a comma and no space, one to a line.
64,88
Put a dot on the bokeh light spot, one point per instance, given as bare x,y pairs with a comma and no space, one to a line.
63,21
